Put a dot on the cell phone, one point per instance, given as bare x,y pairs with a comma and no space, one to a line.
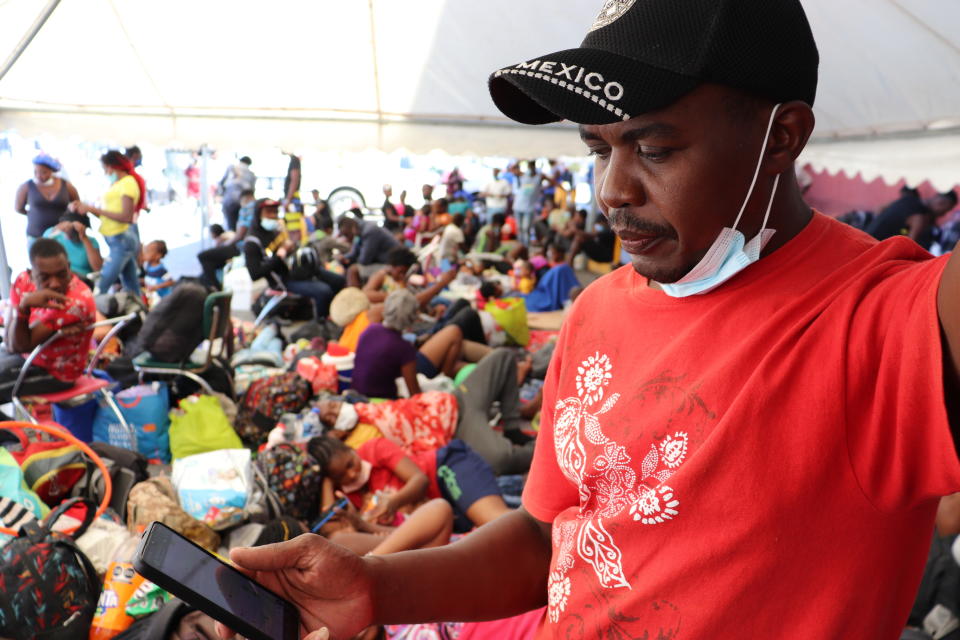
202,580
327,515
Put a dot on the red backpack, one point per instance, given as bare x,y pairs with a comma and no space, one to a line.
266,400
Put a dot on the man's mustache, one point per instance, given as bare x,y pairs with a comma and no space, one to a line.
622,220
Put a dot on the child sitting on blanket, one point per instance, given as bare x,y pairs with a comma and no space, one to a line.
398,482
524,278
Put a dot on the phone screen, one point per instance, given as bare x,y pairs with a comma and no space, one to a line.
224,586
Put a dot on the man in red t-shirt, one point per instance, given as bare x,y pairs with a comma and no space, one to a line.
745,432
48,298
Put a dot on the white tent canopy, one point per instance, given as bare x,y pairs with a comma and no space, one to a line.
385,74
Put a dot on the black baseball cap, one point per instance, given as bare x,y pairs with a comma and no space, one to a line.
642,55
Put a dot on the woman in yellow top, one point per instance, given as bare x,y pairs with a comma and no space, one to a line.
120,203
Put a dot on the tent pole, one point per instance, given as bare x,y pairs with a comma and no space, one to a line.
204,195
28,37
4,270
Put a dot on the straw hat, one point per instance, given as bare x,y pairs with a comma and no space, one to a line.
347,305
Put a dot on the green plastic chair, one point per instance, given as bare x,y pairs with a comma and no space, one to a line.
216,324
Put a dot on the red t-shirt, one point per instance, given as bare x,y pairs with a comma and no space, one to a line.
65,358
384,456
762,461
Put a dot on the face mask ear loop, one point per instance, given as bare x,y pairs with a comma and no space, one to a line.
776,183
756,173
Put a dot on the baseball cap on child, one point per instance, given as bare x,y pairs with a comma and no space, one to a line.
642,55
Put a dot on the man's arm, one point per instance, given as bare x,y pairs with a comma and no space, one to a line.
948,307
21,336
506,562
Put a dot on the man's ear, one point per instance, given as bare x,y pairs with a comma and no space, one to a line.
791,131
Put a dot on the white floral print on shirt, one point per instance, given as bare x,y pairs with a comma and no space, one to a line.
608,483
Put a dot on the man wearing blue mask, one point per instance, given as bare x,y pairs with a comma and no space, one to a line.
747,430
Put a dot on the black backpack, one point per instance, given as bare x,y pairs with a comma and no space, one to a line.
174,328
48,587
126,468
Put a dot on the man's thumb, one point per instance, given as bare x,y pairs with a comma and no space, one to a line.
319,634
270,557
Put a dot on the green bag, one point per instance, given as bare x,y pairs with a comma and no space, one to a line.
511,315
199,426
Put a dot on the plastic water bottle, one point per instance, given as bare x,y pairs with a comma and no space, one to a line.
312,424
292,427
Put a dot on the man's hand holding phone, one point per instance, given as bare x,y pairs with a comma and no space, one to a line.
330,586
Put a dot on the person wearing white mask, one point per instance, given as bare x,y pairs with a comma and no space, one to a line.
761,410
45,198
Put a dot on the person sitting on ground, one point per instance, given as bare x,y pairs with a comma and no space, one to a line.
598,245
555,279
458,203
494,381
391,278
83,251
452,243
266,250
383,355
354,310
45,299
370,246
322,216
489,236
399,482
439,215
524,278
156,276
911,216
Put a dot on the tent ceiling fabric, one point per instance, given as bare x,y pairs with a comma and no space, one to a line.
386,74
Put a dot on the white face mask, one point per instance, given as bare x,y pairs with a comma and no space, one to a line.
46,183
730,253
362,479
347,418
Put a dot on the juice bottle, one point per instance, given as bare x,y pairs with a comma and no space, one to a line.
120,582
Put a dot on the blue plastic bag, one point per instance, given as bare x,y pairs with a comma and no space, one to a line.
78,420
145,407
